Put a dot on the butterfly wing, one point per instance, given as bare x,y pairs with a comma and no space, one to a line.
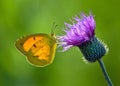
39,48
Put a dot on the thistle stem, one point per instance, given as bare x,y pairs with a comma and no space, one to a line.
101,63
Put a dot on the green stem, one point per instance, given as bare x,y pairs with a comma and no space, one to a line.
105,72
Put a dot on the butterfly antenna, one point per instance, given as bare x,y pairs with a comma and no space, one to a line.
54,26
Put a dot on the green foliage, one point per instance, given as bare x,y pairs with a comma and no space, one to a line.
22,17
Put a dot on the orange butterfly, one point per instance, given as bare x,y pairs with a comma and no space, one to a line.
39,48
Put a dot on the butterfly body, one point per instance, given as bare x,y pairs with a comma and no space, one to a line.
38,48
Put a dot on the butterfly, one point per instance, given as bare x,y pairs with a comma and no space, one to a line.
39,49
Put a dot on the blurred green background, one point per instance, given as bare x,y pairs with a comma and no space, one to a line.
22,17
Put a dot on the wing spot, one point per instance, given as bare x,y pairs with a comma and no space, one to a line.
34,45
34,37
37,56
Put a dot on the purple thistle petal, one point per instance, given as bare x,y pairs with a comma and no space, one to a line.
78,33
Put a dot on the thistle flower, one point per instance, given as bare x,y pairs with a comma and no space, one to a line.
82,34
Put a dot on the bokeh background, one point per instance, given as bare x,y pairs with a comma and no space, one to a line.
22,17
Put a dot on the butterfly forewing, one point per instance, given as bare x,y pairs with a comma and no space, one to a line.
39,48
